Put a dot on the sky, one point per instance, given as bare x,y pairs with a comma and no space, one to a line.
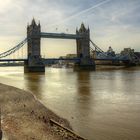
113,23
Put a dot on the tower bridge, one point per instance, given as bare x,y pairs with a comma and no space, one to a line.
35,63
34,36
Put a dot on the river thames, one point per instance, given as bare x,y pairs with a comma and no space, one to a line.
100,105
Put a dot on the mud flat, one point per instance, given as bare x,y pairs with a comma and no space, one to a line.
23,117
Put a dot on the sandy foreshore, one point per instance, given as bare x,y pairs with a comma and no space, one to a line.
23,117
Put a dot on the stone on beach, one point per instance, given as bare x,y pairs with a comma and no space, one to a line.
24,117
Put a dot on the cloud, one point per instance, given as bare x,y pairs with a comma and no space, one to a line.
81,12
111,21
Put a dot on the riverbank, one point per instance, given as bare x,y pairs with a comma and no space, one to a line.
24,117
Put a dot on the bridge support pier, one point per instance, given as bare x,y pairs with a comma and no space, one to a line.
86,65
33,68
83,50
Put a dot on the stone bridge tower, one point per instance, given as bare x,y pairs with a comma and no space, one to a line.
34,63
83,50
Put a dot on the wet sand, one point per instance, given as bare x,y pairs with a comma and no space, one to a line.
23,117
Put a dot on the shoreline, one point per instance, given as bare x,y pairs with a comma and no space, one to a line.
24,117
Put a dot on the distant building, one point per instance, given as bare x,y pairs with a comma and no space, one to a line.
62,57
110,51
134,57
127,51
71,55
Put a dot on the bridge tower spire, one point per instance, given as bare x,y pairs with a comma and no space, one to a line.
83,49
34,63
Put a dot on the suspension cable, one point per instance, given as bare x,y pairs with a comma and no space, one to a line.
100,50
14,49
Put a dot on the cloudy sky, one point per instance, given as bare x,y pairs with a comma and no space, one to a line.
113,23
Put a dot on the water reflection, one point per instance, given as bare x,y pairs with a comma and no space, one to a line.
83,102
83,83
100,105
34,82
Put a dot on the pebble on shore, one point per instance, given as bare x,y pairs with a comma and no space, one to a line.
24,117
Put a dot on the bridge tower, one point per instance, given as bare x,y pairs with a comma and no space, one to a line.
83,50
34,63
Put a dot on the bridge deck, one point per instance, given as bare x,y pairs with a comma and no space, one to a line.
67,59
7,60
60,35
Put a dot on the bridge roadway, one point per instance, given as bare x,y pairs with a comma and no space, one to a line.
57,59
8,60
60,35
48,59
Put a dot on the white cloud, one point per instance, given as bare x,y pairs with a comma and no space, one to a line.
112,22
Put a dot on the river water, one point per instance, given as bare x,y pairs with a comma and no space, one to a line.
101,105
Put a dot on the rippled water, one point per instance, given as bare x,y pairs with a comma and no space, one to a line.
101,105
